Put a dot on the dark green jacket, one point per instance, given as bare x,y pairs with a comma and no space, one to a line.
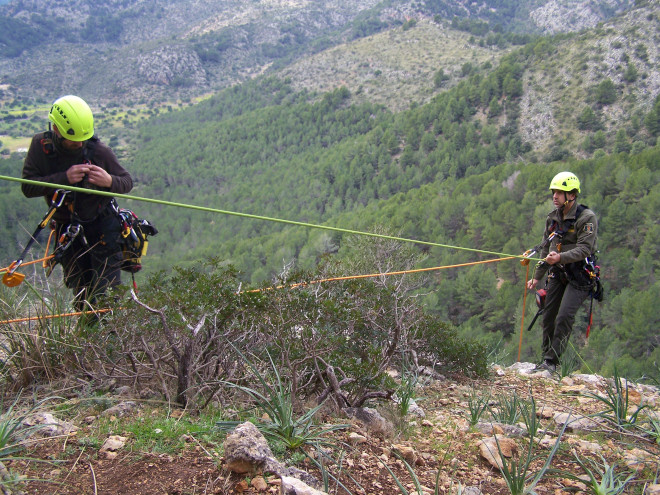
578,241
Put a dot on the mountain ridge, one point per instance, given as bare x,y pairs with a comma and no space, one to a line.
184,49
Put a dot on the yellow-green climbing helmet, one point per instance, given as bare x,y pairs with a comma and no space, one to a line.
73,118
565,181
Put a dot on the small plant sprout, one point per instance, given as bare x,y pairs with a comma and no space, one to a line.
519,478
477,404
507,409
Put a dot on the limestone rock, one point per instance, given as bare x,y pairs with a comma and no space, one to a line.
48,425
415,410
373,421
408,453
122,409
259,484
577,422
488,448
113,443
356,438
490,428
246,451
638,459
293,486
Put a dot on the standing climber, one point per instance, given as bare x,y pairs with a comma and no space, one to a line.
87,225
564,259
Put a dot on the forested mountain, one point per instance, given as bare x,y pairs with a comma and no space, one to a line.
157,50
465,160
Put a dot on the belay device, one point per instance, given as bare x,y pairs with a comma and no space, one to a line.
134,240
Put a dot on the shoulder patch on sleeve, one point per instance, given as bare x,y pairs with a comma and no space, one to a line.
589,228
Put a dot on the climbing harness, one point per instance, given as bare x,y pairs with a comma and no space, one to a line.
63,244
12,278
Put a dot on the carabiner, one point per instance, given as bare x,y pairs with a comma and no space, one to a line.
60,194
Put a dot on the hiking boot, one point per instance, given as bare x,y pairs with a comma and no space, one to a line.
546,365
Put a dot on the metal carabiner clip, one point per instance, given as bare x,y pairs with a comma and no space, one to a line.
72,231
58,197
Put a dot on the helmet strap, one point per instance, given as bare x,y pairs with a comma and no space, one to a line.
567,203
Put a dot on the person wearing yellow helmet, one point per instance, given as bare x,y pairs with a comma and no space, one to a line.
70,154
569,244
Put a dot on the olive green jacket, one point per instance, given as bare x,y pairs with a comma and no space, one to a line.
578,241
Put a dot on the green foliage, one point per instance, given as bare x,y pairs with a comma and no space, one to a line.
631,74
439,78
366,24
652,430
530,417
602,477
47,348
588,120
618,408
641,52
16,35
405,392
439,171
277,402
102,27
411,472
477,405
193,313
10,425
13,434
652,119
507,409
331,341
517,473
570,361
605,92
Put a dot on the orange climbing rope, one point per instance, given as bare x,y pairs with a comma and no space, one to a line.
292,286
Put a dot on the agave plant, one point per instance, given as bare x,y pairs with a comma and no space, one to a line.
618,409
603,478
276,401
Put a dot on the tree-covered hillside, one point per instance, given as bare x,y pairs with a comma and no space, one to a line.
263,149
463,169
503,210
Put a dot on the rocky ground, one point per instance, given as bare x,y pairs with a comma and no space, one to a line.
90,449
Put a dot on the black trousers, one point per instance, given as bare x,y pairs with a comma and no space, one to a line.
562,302
92,262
